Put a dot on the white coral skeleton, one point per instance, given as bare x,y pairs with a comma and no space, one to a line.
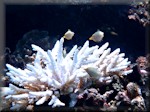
37,83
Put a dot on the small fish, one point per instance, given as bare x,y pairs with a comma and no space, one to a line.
114,33
97,36
68,35
93,72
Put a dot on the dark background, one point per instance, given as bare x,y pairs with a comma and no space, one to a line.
84,20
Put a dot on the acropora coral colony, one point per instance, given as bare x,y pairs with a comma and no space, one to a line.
53,73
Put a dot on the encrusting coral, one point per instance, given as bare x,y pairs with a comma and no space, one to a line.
131,97
52,74
140,12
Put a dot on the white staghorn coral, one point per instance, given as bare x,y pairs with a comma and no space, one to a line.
51,71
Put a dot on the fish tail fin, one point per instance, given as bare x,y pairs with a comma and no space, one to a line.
64,36
91,38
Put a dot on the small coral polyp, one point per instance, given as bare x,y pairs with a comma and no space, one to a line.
51,72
